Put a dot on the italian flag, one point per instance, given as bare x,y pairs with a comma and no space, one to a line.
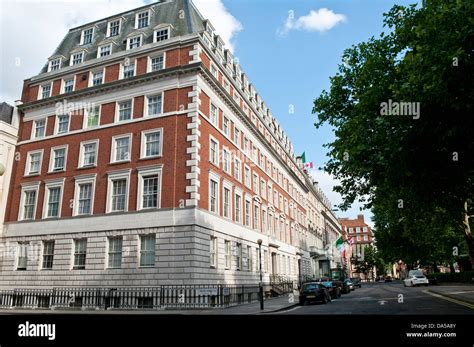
340,244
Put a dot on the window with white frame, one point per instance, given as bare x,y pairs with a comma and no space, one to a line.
157,63
227,202
226,161
256,217
213,195
142,19
68,85
227,254
281,202
366,238
162,34
22,259
286,206
114,254
226,126
33,164
28,204
364,229
246,145
263,190
270,196
124,110
213,114
249,258
264,221
151,143
121,148
87,36
128,70
113,28
88,153
117,199
76,58
275,198
238,169
80,252
213,252
154,105
45,91
237,137
238,208
149,187
39,127
58,159
214,151
238,256
247,179
214,70
62,123
92,117
357,229
97,78
53,200
85,198
248,213
104,50
48,255
54,64
256,184
134,42
147,249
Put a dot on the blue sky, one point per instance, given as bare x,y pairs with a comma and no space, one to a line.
289,69
294,69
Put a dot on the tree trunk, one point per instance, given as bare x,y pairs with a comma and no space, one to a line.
468,234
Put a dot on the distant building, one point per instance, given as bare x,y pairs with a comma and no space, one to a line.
358,235
8,138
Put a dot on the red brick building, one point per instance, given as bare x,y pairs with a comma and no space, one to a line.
147,157
358,235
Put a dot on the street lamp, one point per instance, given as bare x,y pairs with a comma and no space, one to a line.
259,241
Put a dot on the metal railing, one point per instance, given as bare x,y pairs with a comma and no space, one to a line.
136,298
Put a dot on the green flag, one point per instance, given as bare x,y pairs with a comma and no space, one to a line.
339,243
303,157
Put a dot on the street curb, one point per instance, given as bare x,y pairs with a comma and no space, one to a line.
280,309
451,296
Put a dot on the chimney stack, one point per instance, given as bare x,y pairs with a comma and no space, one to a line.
360,217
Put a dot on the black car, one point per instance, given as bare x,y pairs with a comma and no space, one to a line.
356,282
314,292
333,288
347,286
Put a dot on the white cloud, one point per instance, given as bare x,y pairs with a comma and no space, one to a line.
327,183
30,31
226,25
316,20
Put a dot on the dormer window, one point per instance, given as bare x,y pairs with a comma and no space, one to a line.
54,64
86,36
113,28
134,42
162,34
77,58
104,50
142,19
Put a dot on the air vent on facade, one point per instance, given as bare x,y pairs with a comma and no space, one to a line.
83,77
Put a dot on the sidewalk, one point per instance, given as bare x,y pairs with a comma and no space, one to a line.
461,292
270,305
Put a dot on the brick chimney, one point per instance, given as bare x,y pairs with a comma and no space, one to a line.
360,217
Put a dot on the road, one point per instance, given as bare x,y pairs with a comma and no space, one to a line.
387,299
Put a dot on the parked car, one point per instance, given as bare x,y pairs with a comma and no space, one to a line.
388,279
356,282
333,288
314,292
415,278
347,286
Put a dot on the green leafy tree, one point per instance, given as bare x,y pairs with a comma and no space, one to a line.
416,168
